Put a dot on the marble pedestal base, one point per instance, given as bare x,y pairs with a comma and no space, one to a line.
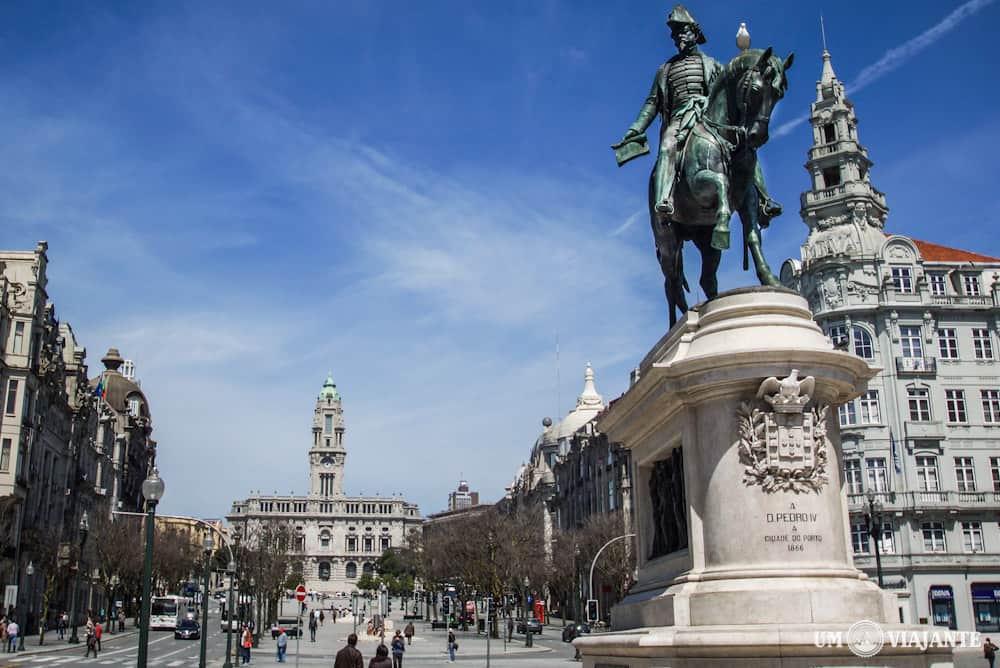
752,567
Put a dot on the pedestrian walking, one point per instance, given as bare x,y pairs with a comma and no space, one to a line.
381,658
452,645
322,618
990,652
97,633
61,625
246,642
282,643
12,630
91,642
398,647
312,628
408,632
121,620
349,656
510,628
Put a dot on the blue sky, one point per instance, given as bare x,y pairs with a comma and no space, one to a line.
420,198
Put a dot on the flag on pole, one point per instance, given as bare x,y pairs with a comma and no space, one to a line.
101,390
895,453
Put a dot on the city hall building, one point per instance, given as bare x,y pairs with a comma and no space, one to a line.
922,444
339,537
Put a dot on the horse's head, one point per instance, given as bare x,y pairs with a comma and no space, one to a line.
761,86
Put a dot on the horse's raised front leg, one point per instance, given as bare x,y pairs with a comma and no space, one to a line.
709,180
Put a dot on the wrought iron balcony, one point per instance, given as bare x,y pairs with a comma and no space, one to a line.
916,365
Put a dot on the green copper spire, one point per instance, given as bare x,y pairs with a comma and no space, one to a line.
329,388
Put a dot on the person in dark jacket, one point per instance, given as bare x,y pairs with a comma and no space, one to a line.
381,658
349,656
398,647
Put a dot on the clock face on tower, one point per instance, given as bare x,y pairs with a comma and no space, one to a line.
327,462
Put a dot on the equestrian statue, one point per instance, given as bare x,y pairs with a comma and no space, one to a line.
713,118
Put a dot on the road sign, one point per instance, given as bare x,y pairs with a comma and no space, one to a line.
300,593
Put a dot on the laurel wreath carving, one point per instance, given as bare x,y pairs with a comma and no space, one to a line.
753,454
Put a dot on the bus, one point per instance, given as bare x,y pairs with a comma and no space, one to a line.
165,610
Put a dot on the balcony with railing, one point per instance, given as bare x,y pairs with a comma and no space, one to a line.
924,500
916,366
961,300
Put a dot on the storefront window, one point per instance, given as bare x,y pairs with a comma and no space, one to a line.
986,606
942,606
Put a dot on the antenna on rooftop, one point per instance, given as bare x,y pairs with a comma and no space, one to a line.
822,29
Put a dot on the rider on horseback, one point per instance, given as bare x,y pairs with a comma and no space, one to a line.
679,94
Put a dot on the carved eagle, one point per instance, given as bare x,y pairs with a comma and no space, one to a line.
787,390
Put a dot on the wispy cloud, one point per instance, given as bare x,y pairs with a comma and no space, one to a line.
898,56
629,222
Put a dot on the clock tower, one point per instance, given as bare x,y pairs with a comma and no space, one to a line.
326,456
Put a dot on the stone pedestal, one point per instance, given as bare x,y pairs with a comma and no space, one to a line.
742,396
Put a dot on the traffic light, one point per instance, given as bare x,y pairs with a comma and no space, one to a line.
390,605
592,610
446,605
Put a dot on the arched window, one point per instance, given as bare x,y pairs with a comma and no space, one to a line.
324,570
368,568
351,570
863,346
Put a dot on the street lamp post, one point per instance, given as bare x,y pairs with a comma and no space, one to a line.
209,545
84,528
527,614
228,663
152,491
874,519
113,614
29,571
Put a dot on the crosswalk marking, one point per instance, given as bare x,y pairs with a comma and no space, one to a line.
176,663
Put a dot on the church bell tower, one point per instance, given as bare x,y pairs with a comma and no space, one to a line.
327,454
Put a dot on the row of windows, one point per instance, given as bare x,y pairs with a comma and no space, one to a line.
351,543
933,534
902,282
303,507
350,570
928,478
919,405
867,410
911,342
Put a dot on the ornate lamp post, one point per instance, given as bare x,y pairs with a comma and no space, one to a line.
152,491
874,519
527,614
209,545
29,571
84,529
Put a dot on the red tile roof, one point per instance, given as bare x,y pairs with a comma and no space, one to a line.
938,253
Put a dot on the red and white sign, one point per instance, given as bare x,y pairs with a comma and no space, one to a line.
300,593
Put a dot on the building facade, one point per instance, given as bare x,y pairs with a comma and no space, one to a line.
922,445
338,537
462,497
52,460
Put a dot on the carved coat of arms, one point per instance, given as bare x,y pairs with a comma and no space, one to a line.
784,449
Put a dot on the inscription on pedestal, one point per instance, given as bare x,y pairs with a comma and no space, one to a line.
792,529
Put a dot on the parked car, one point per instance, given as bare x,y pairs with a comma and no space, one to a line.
574,631
234,624
187,629
533,624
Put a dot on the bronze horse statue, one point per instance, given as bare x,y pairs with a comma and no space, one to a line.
716,176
